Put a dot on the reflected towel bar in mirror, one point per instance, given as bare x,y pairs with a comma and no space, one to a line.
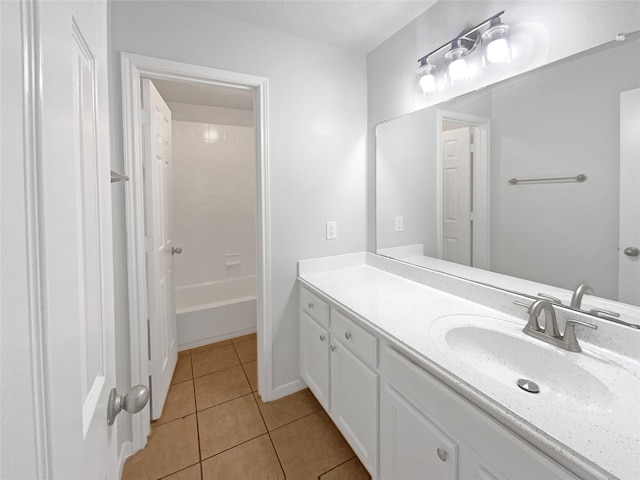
117,177
577,178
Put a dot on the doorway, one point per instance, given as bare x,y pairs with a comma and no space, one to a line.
134,69
463,189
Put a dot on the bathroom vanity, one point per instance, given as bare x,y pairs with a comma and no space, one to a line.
419,371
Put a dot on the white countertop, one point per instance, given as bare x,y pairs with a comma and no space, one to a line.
406,311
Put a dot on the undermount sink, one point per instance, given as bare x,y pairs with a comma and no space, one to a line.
498,349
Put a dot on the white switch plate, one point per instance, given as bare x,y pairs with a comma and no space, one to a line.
332,230
399,224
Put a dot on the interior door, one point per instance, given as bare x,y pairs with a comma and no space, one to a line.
456,196
74,222
158,207
629,260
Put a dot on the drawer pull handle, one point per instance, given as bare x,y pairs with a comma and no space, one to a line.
322,338
442,454
310,305
333,348
347,335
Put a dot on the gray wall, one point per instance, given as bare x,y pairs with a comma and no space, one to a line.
317,131
545,31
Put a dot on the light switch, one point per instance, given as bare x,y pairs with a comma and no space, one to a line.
332,230
399,224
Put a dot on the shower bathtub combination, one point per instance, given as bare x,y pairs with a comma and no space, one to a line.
213,311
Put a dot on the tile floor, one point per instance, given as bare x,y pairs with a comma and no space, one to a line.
214,426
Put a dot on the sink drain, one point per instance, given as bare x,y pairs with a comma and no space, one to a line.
528,385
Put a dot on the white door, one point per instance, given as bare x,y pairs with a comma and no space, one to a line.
314,358
354,404
456,196
75,238
158,207
411,445
629,264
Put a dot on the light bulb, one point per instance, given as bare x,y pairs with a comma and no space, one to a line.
498,50
458,69
427,80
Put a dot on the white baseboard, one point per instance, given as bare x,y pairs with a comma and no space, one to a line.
126,450
286,389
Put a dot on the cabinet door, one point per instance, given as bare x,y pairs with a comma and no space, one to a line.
314,358
354,403
411,445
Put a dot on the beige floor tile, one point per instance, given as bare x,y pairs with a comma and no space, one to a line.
219,387
182,372
247,350
251,369
184,353
242,338
351,470
180,402
255,459
214,360
204,348
287,409
310,446
191,473
229,424
171,447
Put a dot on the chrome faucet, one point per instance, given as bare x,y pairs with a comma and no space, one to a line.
550,333
580,291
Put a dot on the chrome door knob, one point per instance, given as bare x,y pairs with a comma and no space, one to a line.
132,402
631,251
176,250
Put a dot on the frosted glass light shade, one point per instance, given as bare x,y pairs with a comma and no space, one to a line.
458,69
427,79
498,51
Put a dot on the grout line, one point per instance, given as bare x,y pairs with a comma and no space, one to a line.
189,466
295,420
231,448
197,426
218,371
339,465
226,401
253,394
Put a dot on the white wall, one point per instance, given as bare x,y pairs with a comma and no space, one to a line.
546,30
317,130
214,202
208,114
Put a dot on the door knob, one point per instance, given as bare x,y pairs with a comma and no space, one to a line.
133,401
175,250
632,251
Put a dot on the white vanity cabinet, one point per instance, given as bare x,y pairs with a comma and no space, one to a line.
337,361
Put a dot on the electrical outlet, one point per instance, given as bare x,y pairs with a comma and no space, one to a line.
399,224
332,230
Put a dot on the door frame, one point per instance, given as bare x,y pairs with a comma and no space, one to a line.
481,235
133,68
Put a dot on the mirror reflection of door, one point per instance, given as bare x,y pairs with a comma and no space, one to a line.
463,205
457,203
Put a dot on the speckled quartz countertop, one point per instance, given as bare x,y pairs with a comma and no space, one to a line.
596,427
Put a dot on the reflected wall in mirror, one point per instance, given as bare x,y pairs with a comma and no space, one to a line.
443,197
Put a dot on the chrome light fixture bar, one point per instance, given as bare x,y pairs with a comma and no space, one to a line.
495,49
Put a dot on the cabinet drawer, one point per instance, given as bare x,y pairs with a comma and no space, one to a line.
314,306
355,337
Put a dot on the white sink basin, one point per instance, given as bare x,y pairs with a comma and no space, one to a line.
498,351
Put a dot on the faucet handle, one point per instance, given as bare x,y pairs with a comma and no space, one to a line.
569,334
550,298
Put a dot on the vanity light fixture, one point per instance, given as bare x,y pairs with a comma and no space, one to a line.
455,62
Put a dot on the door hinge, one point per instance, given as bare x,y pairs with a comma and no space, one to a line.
145,115
148,244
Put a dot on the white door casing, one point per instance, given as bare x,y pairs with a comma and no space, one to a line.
74,221
163,338
456,196
629,266
134,68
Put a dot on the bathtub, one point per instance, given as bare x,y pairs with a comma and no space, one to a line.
213,311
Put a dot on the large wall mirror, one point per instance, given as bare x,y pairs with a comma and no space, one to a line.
531,184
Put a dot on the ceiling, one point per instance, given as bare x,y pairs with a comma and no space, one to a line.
209,95
360,25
